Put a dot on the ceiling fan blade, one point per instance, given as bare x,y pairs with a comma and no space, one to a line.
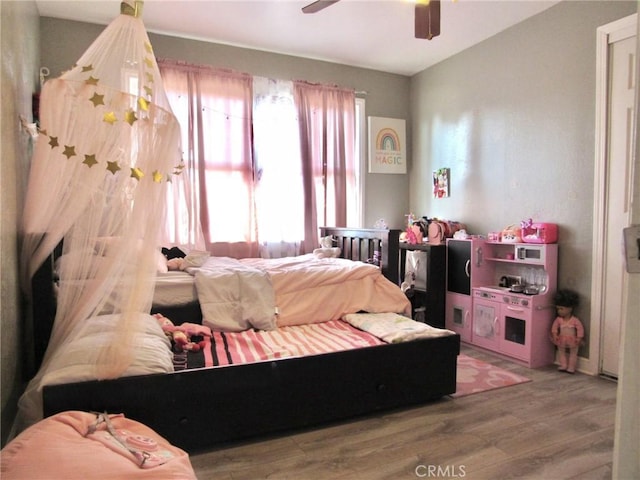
427,19
318,5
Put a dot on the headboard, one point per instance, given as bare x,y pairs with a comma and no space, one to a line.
43,300
361,243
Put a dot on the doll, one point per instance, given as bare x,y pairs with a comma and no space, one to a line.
567,332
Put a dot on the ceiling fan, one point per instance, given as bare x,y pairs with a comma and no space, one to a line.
427,16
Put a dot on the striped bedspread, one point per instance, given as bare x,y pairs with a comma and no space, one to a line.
228,348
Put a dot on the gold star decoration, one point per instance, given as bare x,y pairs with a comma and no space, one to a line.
136,173
69,151
144,105
148,90
130,117
149,62
90,160
149,77
91,80
97,99
113,167
147,47
87,68
157,176
53,142
110,117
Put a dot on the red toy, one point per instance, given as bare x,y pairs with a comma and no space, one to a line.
180,335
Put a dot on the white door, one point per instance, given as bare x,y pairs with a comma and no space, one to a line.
616,177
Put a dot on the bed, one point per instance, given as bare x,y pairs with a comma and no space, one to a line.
196,409
176,295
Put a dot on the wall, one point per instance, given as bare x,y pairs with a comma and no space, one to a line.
20,64
514,119
63,42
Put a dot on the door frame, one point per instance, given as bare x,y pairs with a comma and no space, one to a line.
606,34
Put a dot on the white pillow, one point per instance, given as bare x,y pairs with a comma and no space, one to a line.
195,258
75,359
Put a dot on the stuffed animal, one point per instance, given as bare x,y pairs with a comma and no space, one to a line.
175,264
327,250
326,242
180,336
195,258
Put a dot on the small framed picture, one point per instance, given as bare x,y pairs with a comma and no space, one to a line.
441,183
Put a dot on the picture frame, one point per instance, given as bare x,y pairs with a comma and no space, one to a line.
387,145
441,179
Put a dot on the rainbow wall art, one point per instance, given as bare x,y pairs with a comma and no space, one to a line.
387,152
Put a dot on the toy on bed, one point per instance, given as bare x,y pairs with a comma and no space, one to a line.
327,250
194,258
187,337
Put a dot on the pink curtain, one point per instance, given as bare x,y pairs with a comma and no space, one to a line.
218,143
327,139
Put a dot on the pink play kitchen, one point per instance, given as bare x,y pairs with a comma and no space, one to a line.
500,291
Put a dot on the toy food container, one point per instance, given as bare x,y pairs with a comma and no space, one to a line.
540,233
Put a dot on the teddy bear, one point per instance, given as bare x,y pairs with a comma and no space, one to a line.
180,336
327,250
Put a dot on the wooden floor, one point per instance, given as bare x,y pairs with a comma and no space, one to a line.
558,426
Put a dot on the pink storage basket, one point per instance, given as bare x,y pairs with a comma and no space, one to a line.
540,232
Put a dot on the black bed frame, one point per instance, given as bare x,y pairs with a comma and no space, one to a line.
201,408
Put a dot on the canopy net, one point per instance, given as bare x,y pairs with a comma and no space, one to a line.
107,153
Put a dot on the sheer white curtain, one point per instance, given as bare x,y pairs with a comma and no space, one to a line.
108,146
279,191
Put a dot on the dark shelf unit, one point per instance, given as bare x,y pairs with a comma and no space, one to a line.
432,299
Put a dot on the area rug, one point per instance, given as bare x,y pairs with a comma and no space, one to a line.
474,376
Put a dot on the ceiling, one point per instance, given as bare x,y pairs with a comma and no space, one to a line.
375,34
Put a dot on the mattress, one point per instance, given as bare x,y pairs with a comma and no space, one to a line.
359,330
174,288
249,346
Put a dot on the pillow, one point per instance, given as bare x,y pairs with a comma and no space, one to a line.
333,252
195,258
75,359
73,256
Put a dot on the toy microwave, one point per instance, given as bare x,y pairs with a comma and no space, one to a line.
540,233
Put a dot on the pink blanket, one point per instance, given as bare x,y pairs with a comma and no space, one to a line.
229,348
236,295
309,289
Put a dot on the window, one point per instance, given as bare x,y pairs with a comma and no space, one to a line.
273,160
